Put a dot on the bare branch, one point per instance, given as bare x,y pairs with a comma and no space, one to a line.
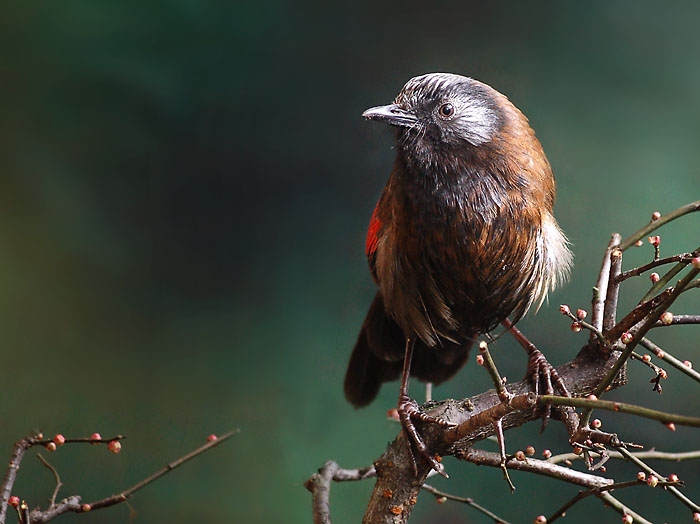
466,500
664,219
601,287
684,257
610,308
52,500
651,454
667,357
609,405
539,467
596,491
671,489
621,508
73,504
680,319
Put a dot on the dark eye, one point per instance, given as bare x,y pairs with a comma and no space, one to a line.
446,110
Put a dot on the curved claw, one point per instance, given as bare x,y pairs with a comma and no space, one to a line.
408,412
539,369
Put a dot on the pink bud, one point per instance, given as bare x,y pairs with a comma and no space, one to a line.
695,262
667,318
641,476
51,446
441,500
212,438
596,423
480,360
530,450
59,439
114,446
671,426
660,353
592,397
547,454
639,243
673,477
655,240
627,519
85,507
581,313
541,519
564,309
519,455
578,450
393,414
655,216
688,364
626,337
663,374
646,358
575,327
652,481
696,517
654,277
95,436
13,501
603,469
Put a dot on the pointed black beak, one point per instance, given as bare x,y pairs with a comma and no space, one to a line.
392,115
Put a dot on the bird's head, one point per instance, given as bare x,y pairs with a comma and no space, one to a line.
442,112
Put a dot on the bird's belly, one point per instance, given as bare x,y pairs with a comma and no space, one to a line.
439,285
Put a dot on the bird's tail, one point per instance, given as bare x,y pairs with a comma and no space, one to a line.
379,351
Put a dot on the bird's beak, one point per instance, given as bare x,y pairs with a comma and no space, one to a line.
392,115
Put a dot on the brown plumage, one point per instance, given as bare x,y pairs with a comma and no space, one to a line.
462,237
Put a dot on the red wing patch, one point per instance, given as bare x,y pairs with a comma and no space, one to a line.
372,232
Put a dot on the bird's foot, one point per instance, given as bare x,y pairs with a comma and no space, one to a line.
408,412
540,371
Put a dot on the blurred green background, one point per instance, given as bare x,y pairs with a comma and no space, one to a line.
185,188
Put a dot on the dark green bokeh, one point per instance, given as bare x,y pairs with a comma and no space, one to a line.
185,187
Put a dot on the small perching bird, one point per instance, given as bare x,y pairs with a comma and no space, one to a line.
462,237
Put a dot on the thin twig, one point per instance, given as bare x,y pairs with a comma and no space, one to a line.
652,226
73,503
537,466
671,489
320,487
651,454
490,366
498,425
685,257
646,326
621,508
640,411
11,474
667,357
680,320
466,500
663,281
52,500
610,308
601,287
596,491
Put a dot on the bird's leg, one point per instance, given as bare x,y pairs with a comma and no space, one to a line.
538,369
408,411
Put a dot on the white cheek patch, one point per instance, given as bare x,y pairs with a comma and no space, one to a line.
476,121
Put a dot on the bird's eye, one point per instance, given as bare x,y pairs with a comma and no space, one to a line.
446,110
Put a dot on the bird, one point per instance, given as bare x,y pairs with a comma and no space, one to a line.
462,239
